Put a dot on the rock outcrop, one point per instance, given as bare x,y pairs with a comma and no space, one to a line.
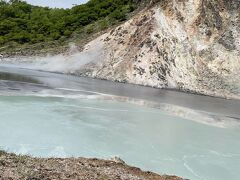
189,45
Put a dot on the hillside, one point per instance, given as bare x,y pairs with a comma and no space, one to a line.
186,45
192,46
27,27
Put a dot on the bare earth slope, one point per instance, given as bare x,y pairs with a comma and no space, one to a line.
181,44
24,167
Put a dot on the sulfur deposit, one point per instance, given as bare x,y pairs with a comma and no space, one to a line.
188,45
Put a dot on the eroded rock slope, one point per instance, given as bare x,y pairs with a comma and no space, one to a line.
190,45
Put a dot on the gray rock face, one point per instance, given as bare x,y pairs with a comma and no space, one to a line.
228,41
180,44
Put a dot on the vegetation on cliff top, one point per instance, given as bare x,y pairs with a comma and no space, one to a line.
22,23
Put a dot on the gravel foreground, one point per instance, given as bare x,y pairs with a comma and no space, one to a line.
25,167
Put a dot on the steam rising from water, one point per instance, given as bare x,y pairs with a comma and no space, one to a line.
65,63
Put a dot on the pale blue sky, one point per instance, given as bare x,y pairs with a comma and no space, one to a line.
56,3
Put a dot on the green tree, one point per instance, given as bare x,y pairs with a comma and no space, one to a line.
22,23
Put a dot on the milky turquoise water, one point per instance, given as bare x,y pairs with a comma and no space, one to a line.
144,137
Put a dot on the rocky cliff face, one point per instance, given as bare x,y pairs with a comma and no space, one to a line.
190,45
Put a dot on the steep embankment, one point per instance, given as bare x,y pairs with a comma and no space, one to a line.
180,44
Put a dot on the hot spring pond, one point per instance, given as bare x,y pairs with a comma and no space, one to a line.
142,136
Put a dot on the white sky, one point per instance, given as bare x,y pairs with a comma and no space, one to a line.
56,3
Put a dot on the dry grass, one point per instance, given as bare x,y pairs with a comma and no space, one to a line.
24,167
